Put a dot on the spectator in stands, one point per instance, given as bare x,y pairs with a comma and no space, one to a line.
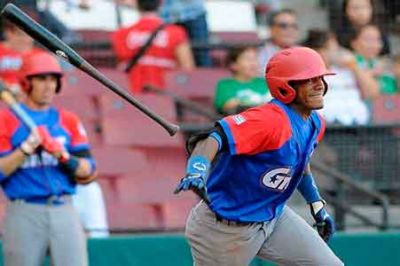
263,9
244,89
284,33
356,14
47,19
367,45
345,102
190,14
170,48
15,46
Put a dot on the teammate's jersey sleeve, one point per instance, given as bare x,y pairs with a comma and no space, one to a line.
256,130
71,123
8,125
322,129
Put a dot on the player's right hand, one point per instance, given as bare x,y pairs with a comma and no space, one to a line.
196,174
31,143
51,145
324,222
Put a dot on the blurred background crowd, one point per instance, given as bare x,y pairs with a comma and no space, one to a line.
194,61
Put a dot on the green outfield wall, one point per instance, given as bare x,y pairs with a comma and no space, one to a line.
356,249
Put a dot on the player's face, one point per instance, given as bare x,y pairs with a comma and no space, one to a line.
310,93
43,89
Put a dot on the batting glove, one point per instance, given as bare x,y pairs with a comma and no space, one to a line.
323,221
52,146
31,143
196,174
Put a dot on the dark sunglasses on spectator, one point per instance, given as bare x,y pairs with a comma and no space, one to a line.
284,25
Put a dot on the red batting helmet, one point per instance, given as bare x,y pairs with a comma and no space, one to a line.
39,63
298,63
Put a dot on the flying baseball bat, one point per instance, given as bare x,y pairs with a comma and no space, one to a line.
7,97
191,105
55,45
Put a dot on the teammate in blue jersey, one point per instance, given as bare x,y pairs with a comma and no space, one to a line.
39,170
249,165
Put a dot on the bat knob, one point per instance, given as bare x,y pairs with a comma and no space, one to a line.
172,129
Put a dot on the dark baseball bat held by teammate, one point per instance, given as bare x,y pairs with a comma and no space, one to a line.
8,98
58,47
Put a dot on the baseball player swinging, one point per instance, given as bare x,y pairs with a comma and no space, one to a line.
251,163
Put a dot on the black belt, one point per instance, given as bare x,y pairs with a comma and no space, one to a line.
229,222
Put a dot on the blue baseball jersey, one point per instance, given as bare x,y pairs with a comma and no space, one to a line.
268,149
40,174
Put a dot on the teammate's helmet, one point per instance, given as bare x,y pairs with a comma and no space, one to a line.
38,64
298,63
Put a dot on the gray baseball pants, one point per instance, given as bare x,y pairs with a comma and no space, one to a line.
31,230
286,240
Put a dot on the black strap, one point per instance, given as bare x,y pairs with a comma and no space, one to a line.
143,48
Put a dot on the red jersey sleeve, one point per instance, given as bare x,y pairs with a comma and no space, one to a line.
71,123
322,129
8,125
256,130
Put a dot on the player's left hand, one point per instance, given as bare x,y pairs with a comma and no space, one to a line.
323,221
195,179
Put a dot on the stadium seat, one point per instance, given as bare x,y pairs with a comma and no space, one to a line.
114,161
240,37
146,189
122,124
199,86
95,35
157,180
83,106
122,215
386,109
95,47
199,83
78,83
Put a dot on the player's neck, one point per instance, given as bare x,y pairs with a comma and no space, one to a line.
303,111
35,105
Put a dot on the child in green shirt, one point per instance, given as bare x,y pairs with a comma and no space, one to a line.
244,89
367,45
